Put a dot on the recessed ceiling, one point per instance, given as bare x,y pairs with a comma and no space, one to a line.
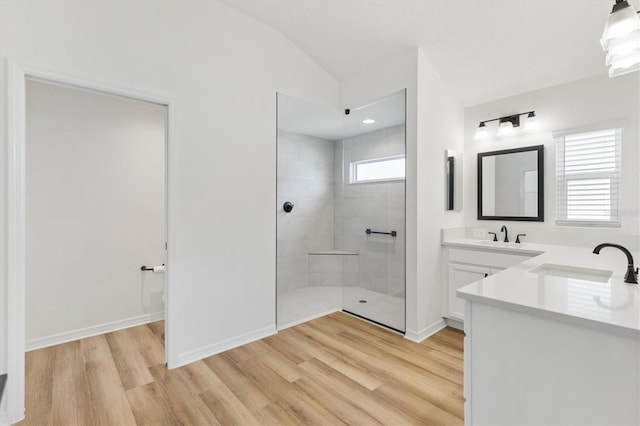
484,49
295,115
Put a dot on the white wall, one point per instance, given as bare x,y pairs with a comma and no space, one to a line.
434,120
440,125
95,212
590,102
305,177
222,71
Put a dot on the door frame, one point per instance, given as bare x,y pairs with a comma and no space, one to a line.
17,76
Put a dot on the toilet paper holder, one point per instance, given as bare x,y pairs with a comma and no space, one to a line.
146,268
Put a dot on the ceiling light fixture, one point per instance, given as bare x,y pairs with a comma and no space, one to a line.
507,124
368,121
621,39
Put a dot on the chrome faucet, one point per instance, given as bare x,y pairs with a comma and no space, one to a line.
631,276
506,233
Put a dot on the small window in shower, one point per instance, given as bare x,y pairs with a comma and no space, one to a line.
378,169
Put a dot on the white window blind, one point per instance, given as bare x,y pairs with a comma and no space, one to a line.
587,178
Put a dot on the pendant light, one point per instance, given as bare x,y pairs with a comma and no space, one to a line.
621,39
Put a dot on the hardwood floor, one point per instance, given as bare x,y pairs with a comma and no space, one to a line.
333,370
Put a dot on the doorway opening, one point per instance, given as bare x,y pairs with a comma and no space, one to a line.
71,193
95,213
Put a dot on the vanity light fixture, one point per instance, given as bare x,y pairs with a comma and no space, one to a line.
532,122
621,39
368,121
481,133
507,124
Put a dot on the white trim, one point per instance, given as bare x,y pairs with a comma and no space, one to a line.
233,342
456,323
15,391
94,330
310,318
425,333
16,122
92,86
611,124
171,297
467,366
607,225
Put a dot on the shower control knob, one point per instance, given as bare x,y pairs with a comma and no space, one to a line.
287,206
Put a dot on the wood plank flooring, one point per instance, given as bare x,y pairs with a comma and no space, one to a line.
330,371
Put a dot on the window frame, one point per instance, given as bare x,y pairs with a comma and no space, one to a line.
563,179
353,170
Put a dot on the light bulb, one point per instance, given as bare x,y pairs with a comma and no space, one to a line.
532,122
505,128
481,132
368,121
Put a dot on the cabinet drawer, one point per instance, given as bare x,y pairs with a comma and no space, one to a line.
485,258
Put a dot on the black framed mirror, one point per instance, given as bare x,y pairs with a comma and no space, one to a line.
511,184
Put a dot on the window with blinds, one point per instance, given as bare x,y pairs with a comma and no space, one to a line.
587,178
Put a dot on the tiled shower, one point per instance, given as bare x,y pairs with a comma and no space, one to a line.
325,259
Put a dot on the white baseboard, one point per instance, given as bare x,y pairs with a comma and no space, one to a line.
69,336
455,323
419,336
312,317
216,348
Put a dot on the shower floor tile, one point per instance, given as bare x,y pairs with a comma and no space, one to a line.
379,307
304,304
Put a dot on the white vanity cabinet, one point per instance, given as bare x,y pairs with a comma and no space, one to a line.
464,266
461,275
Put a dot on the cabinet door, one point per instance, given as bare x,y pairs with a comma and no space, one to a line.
459,276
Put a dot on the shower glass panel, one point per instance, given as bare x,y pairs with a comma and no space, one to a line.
309,268
369,210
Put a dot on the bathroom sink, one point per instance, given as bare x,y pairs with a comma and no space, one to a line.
501,244
563,271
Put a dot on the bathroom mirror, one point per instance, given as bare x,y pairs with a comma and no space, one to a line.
511,184
453,180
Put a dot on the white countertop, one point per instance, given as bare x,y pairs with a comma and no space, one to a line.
612,305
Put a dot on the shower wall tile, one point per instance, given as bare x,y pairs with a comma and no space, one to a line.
319,264
292,272
395,206
376,205
330,213
306,178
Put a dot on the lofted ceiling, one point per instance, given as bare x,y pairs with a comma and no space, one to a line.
484,49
